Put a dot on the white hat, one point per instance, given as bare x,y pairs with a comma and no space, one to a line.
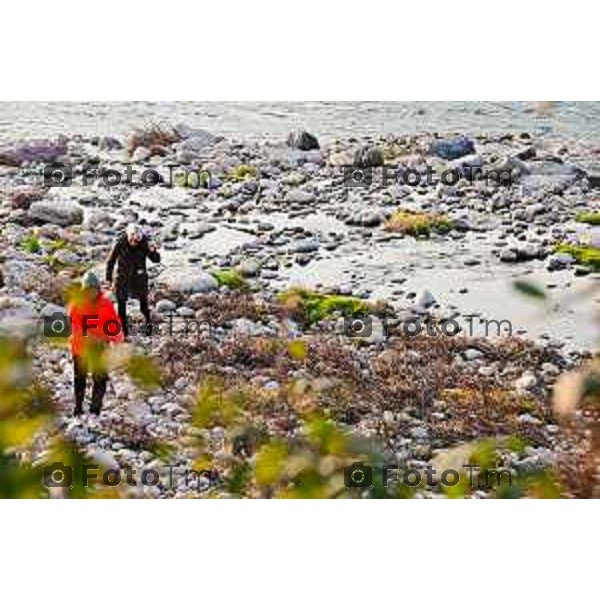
133,229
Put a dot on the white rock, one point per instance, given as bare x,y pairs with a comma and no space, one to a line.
59,212
244,326
424,299
166,306
141,154
297,196
472,354
188,280
526,382
249,267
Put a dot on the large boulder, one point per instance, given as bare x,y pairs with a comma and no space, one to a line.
194,141
298,196
188,280
368,157
59,212
449,149
36,151
594,180
249,267
302,140
17,317
545,177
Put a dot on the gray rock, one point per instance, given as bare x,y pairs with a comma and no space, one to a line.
302,140
17,153
244,326
96,218
526,382
249,267
533,210
66,257
109,143
473,354
17,317
558,261
450,149
305,246
371,218
166,306
508,255
594,180
59,212
424,299
188,280
368,157
197,230
141,154
297,196
196,140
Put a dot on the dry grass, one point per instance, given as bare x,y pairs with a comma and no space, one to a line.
153,137
416,223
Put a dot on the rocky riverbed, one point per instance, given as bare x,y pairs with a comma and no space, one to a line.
268,216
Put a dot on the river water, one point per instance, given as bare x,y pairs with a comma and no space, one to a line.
566,120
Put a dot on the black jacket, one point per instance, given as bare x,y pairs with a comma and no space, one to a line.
132,277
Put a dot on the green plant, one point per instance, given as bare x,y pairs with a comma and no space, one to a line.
314,307
59,244
193,179
242,173
31,244
230,278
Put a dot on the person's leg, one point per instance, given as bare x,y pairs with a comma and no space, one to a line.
122,310
145,310
98,392
79,383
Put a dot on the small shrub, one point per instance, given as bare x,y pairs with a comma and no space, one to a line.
415,223
153,135
193,179
242,173
31,244
230,278
59,244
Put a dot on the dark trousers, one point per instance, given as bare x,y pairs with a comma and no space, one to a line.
80,376
122,309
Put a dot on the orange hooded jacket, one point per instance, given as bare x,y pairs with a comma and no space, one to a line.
93,320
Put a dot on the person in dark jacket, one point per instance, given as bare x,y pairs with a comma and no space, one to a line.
129,254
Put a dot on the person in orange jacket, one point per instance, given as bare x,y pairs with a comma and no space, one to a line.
94,324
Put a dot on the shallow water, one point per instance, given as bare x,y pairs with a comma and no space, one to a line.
566,120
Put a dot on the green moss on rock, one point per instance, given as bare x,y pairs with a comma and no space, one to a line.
591,218
585,255
315,307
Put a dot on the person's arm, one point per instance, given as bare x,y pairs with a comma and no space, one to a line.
112,259
152,252
108,314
